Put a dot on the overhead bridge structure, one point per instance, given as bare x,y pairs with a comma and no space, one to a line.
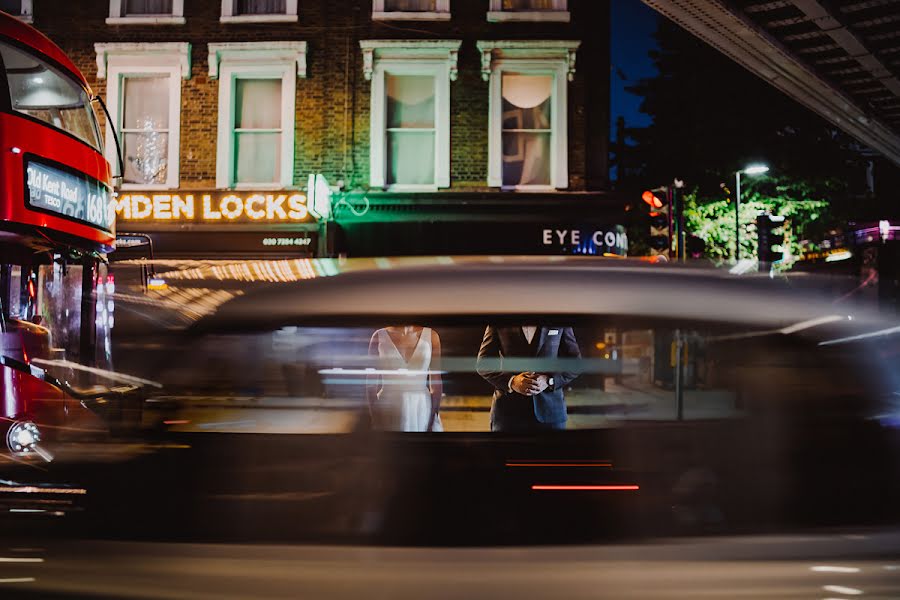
840,58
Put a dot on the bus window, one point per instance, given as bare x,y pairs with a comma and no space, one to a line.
44,93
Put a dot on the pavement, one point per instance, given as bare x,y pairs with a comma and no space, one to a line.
833,565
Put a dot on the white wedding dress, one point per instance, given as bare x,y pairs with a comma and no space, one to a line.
404,400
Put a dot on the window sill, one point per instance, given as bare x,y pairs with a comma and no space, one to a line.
411,188
546,16
543,189
258,19
145,21
262,187
149,187
410,16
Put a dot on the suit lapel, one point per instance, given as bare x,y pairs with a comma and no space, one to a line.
541,335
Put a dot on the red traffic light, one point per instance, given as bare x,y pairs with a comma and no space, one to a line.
651,199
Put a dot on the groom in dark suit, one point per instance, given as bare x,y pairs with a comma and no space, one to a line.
527,400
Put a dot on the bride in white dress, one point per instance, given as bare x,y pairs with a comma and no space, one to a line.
405,395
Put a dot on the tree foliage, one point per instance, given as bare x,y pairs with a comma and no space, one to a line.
710,119
713,220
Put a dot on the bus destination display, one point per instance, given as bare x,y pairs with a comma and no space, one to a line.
71,196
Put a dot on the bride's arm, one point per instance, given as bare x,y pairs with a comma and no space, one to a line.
373,382
435,383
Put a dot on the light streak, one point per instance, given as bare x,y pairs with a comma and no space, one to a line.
838,256
558,464
396,372
6,559
111,375
829,569
861,336
30,489
839,589
585,488
810,323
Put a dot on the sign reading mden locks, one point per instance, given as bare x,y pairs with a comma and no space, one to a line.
71,196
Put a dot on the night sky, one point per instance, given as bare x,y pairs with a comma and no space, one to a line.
632,27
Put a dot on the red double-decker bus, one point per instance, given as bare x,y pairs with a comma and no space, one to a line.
56,226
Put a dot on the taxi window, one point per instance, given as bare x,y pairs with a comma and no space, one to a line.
487,377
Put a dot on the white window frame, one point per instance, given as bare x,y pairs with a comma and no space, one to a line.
115,62
553,57
437,58
559,14
441,13
117,15
25,13
228,16
256,60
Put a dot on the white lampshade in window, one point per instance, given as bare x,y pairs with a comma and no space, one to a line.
526,91
410,100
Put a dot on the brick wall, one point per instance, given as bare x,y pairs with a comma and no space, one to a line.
332,124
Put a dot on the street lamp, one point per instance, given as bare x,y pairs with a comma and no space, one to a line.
750,170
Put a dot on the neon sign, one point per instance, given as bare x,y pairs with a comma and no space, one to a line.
214,207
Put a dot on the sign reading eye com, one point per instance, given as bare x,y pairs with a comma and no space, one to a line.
214,207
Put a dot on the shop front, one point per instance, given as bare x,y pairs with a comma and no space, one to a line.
487,224
239,225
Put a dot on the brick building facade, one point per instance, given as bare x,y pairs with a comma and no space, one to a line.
214,96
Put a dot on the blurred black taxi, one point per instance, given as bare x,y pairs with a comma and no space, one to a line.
699,403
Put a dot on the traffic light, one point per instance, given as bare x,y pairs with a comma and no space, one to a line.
770,236
657,201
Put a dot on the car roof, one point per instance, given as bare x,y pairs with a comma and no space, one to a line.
489,288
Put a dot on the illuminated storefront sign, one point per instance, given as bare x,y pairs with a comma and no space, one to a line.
214,207
612,240
67,194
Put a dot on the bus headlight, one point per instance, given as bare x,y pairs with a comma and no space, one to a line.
23,437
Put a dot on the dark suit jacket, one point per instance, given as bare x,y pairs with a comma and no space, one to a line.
502,345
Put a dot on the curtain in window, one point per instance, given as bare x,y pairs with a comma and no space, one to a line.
529,4
527,131
410,129
257,130
260,7
145,129
409,5
148,7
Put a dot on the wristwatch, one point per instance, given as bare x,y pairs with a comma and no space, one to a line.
550,382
